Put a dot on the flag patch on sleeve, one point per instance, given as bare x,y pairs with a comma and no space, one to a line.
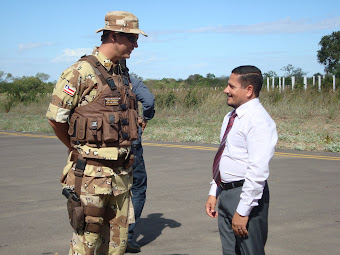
69,90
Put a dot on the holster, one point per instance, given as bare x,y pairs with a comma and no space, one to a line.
75,207
76,214
77,211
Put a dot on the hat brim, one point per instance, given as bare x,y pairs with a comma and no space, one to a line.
131,31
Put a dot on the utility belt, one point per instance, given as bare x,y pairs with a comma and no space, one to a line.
120,162
77,211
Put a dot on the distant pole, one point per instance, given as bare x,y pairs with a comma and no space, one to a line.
319,80
333,82
280,84
283,83
293,82
267,83
313,81
305,81
273,81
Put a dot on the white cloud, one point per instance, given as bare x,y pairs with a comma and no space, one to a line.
28,46
282,26
71,55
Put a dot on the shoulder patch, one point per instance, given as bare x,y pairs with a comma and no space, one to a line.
69,90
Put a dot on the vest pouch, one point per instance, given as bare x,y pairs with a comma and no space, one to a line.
133,101
81,129
72,128
77,128
94,130
111,126
133,124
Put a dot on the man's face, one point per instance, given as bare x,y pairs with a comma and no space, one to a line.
237,95
126,44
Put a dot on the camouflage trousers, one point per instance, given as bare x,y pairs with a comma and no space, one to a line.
113,237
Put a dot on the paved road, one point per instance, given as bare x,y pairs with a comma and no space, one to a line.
304,210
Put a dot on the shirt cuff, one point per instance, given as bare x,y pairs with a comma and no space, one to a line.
213,189
243,209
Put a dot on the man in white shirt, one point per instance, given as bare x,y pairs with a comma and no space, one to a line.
241,167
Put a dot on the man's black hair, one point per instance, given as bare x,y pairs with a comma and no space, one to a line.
250,75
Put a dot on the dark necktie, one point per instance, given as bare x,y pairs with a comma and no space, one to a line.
216,165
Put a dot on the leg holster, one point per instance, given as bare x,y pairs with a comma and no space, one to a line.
74,205
77,211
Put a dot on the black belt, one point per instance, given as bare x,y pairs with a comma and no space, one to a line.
231,185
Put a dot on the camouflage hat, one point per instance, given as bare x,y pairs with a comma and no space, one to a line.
124,22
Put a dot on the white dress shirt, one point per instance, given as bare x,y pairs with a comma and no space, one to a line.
249,147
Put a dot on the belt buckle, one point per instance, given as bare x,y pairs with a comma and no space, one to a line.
78,172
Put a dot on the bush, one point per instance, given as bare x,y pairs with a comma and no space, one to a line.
166,99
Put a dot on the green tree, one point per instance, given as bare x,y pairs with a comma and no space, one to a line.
210,76
42,76
25,88
270,73
290,70
329,54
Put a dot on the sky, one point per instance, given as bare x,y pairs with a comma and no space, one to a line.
184,37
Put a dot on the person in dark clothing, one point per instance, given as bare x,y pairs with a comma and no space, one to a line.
139,173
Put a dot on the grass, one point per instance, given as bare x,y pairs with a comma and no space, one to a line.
306,120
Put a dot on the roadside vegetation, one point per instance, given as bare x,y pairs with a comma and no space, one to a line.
192,110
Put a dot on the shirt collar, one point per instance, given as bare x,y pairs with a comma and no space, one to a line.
105,61
246,107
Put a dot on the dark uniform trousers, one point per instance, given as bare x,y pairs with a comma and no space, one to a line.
257,225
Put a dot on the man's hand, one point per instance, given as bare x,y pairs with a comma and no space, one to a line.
210,207
142,123
239,225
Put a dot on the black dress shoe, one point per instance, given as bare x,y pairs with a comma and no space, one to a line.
132,247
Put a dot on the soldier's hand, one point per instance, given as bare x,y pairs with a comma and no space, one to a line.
144,122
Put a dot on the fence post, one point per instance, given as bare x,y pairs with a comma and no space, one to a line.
273,81
280,84
293,82
334,83
283,83
319,80
313,80
267,83
305,81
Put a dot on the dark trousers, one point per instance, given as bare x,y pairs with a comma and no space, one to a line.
257,225
139,185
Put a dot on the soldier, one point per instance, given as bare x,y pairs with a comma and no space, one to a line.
93,112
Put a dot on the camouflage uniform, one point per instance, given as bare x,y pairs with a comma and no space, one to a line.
101,186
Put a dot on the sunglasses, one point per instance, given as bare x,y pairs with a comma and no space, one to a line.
131,38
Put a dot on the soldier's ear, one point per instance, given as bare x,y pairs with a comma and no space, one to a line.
113,34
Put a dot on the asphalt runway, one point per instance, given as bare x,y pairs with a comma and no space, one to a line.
304,215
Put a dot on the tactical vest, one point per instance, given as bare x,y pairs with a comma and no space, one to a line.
110,120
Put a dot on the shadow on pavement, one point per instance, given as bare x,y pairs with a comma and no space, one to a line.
151,227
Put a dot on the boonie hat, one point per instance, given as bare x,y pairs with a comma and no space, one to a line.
120,21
